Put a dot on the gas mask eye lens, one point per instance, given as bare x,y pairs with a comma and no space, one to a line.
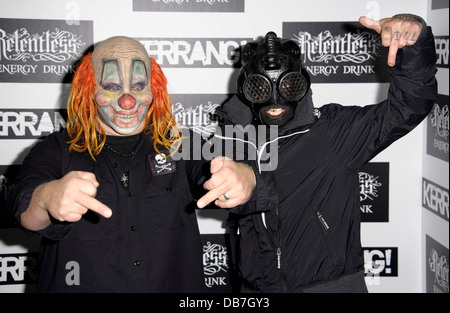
257,88
292,87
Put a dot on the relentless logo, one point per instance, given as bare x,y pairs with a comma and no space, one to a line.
438,129
200,117
18,269
189,5
373,192
339,52
215,260
436,267
27,124
56,46
355,48
439,266
41,50
195,52
368,186
441,43
439,120
435,198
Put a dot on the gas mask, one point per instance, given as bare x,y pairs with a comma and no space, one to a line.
271,80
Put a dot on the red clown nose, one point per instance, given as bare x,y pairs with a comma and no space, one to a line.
127,102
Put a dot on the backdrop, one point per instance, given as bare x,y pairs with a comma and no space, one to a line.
404,190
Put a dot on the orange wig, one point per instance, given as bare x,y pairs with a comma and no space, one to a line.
82,121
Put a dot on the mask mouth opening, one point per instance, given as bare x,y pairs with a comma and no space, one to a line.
275,114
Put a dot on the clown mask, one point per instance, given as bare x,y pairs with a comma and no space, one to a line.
123,94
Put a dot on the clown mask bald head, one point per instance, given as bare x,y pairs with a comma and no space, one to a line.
123,93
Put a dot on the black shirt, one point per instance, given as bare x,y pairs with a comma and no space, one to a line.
123,148
151,243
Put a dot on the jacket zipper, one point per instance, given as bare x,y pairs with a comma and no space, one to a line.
258,161
322,221
279,248
279,258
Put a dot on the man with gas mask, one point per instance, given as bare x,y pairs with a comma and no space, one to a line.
307,238
113,208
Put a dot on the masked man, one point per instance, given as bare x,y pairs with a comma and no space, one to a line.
113,207
308,238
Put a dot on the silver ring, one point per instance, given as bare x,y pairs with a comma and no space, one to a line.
225,195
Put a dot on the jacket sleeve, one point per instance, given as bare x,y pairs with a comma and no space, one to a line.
41,165
264,197
199,154
357,134
197,166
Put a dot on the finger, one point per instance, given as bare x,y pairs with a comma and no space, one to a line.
217,164
210,197
393,48
73,213
222,198
215,181
232,203
410,36
88,187
89,176
94,205
71,217
369,23
404,40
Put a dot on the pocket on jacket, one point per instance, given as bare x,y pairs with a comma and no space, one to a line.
326,230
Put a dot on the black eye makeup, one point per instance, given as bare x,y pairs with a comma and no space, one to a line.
138,79
111,78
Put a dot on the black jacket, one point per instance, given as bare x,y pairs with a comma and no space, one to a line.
308,232
151,243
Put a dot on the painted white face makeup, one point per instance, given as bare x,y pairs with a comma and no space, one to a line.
123,95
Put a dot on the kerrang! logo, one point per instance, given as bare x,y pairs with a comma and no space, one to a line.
356,47
56,46
197,53
18,268
368,185
29,124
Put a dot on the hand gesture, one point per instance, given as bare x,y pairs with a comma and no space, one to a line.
396,32
230,185
66,199
73,195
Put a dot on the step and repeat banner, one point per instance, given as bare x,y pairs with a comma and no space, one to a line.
198,45
435,181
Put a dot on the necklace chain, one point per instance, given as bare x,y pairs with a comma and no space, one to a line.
126,155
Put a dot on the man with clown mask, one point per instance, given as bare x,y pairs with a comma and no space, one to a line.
114,209
308,238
